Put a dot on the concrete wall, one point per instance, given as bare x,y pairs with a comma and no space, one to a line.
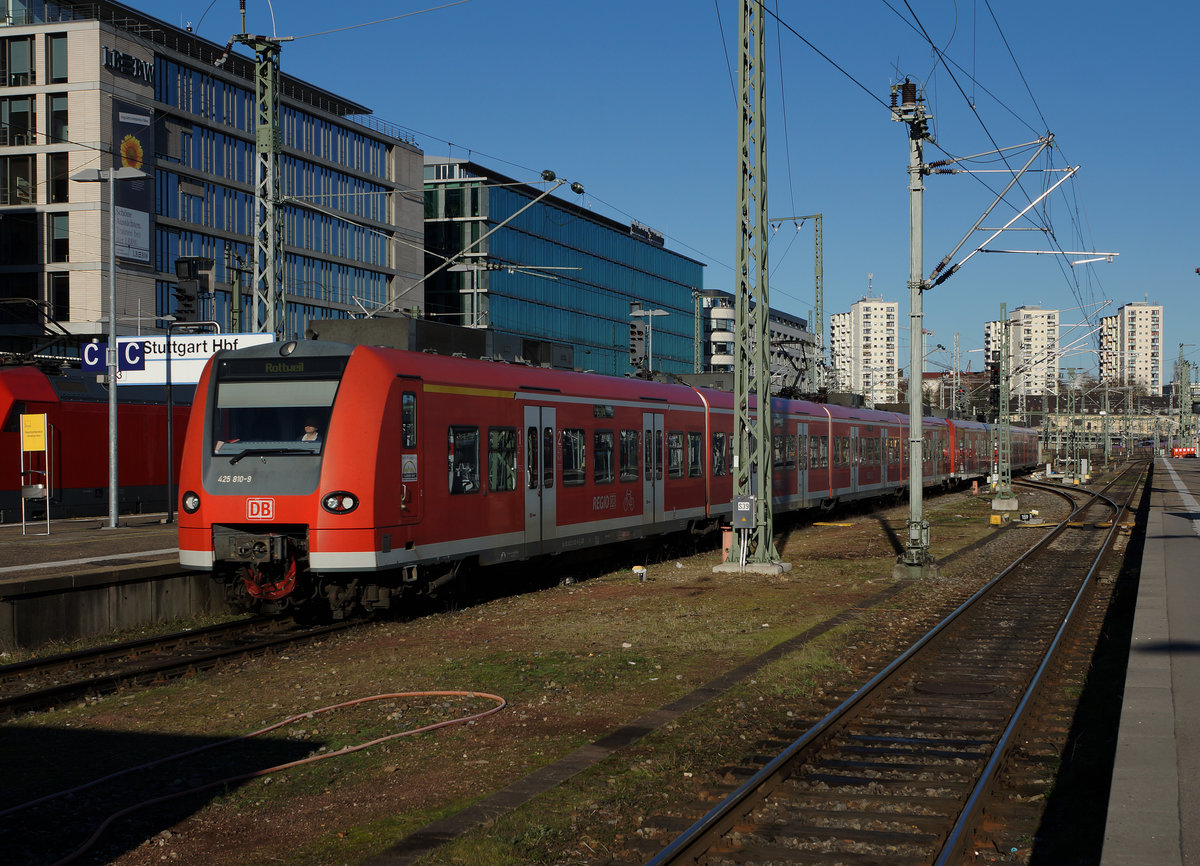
68,607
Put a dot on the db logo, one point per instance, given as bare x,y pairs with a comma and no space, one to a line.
260,509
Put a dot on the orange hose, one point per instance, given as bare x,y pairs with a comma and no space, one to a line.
500,704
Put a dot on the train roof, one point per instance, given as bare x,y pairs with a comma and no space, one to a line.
496,374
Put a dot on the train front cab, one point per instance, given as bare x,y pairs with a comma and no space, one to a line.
252,475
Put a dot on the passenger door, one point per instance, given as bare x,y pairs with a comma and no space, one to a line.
540,481
854,458
652,474
802,462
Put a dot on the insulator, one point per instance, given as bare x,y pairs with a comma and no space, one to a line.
909,89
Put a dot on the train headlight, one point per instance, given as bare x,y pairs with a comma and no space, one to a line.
339,502
191,502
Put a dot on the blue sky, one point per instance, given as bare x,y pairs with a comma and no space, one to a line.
635,101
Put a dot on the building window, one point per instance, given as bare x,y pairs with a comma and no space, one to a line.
59,178
16,62
18,121
58,293
18,239
57,103
19,286
56,57
18,179
60,237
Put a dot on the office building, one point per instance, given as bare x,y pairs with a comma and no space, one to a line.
90,85
793,359
501,256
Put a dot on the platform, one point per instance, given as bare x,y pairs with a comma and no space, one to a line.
1155,800
85,578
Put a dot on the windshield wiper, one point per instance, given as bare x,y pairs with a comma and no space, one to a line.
259,452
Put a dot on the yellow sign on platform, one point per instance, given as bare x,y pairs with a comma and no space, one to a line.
33,432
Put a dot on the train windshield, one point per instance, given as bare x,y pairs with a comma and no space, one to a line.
261,409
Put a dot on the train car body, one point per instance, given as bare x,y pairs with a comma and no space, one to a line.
74,466
415,464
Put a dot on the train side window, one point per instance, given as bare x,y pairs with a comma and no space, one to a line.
531,458
502,459
675,454
547,457
695,454
719,450
629,455
658,451
574,452
777,450
801,451
824,456
602,457
464,459
408,420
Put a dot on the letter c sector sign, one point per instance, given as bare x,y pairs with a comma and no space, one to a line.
130,356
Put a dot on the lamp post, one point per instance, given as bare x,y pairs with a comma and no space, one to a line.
650,314
112,175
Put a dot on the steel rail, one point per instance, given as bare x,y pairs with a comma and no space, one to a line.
688,846
44,698
954,848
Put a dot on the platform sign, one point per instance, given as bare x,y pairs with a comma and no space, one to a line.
143,360
33,432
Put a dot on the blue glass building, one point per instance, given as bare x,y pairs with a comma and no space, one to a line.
556,271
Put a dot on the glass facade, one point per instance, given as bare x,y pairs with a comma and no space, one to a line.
554,272
341,211
330,262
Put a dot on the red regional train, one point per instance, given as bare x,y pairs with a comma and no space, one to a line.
319,473
74,466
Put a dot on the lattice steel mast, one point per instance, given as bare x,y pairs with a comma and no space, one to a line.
267,314
752,371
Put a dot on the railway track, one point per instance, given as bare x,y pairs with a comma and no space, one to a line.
43,683
904,770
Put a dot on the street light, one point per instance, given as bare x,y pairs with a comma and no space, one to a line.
112,175
650,314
